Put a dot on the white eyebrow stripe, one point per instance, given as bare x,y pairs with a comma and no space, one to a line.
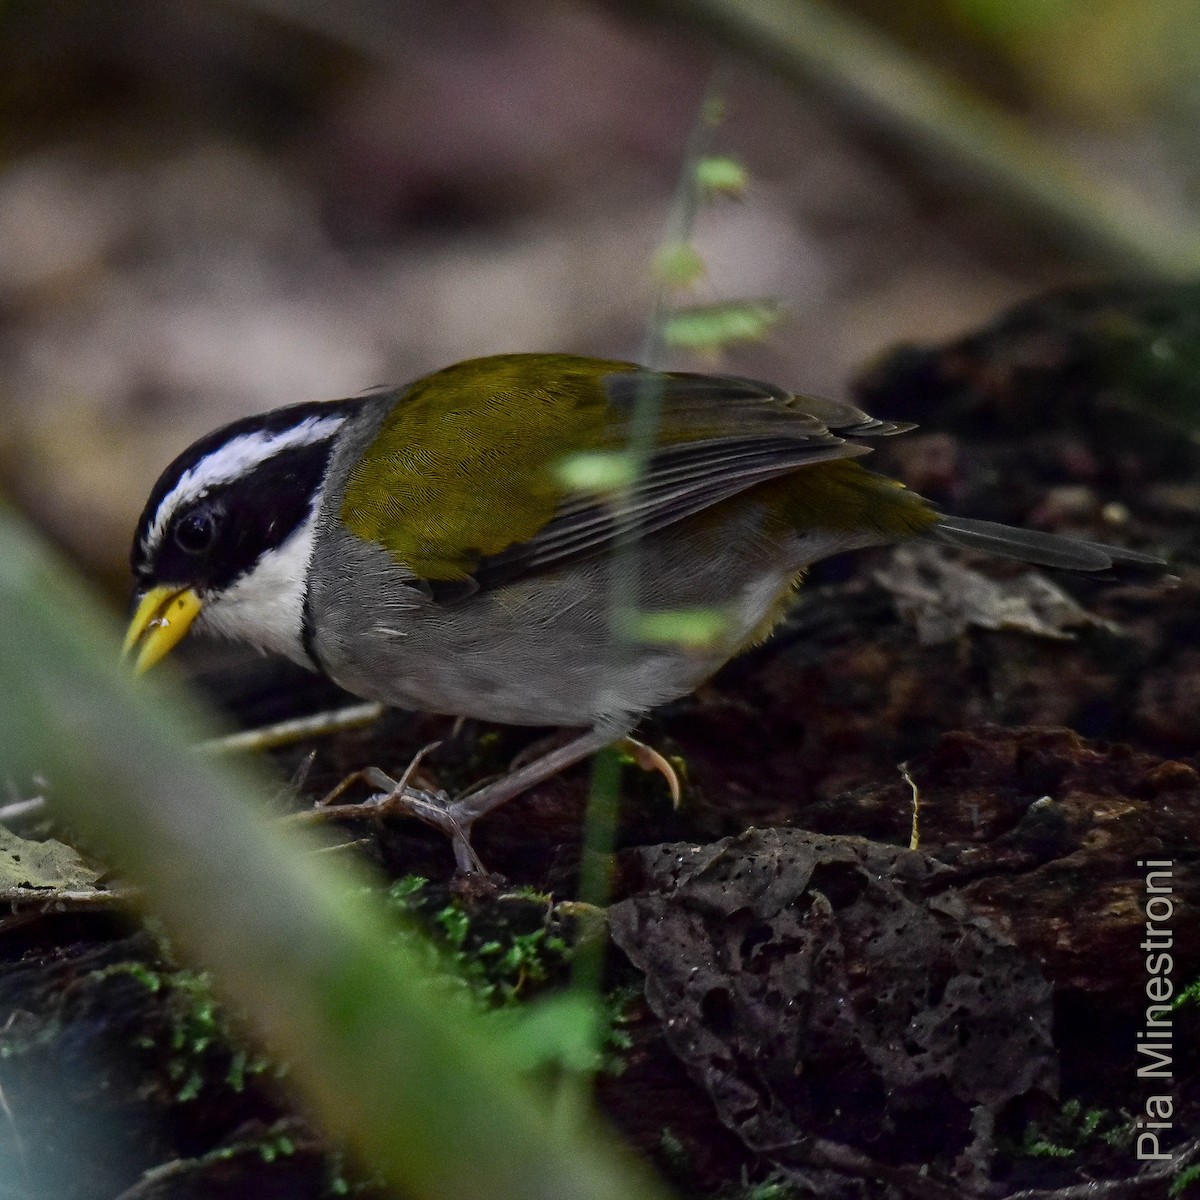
232,460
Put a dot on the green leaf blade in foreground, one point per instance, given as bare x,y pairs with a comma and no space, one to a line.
422,1092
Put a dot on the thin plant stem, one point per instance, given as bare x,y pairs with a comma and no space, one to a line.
595,874
599,836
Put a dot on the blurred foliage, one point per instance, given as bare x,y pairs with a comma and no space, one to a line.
1104,62
965,94
425,1093
597,471
718,175
1187,1179
697,627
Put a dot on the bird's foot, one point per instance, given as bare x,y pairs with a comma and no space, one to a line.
392,796
439,811
455,818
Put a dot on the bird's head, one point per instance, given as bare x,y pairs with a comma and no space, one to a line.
224,542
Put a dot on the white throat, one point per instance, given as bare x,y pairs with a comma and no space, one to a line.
265,607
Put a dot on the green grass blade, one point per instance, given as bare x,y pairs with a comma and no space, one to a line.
420,1091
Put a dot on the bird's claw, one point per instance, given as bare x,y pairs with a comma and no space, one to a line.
431,808
434,808
650,759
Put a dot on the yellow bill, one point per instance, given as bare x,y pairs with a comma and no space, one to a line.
163,616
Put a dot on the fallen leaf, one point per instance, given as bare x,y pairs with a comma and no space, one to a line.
943,599
42,866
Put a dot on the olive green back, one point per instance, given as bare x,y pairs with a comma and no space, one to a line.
464,468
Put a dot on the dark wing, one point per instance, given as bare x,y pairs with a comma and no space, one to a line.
734,433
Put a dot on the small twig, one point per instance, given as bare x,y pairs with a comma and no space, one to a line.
325,810
21,808
914,837
63,901
1117,1189
300,775
409,771
353,844
836,1156
298,729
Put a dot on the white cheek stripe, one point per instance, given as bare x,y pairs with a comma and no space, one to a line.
233,460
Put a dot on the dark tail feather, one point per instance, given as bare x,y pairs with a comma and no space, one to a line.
1042,549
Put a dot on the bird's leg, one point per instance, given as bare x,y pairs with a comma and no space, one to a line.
466,810
539,747
456,818
395,795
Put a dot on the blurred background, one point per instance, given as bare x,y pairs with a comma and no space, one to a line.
209,207
212,207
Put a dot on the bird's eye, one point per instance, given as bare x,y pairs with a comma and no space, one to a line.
196,532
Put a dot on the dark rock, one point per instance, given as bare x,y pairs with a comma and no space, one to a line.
828,990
